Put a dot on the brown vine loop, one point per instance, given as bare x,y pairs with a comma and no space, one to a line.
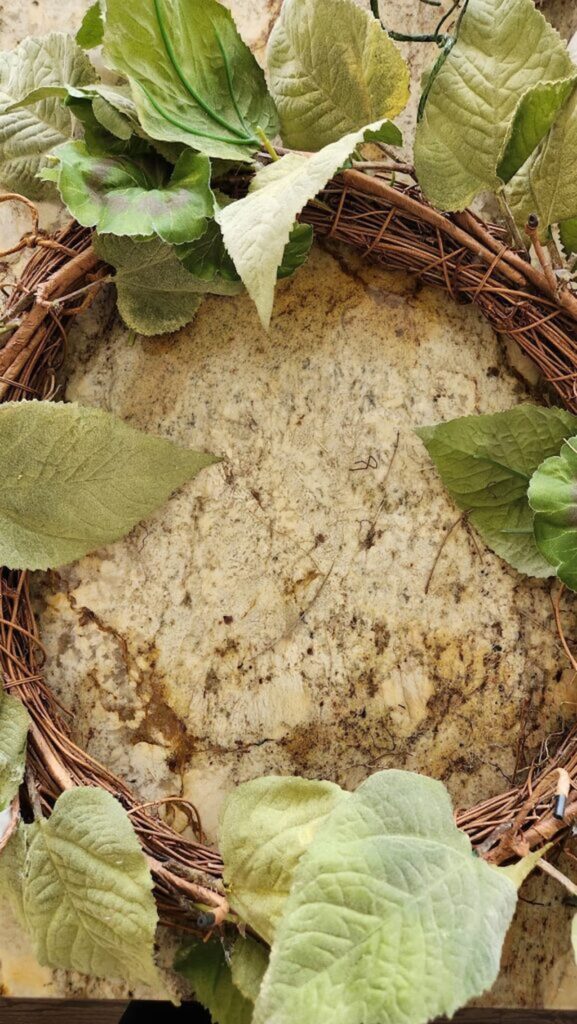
392,224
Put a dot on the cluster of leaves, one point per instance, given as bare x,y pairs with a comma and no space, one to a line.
501,115
515,476
143,159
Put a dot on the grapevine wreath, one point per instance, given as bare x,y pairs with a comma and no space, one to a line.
181,162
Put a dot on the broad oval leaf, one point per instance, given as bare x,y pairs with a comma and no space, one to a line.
194,80
332,69
143,196
14,725
553,498
256,229
505,48
205,966
27,134
486,463
392,919
265,828
547,184
155,293
76,478
87,890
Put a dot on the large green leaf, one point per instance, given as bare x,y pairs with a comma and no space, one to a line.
87,890
547,184
28,134
553,498
205,966
194,80
156,294
486,463
505,49
257,228
332,69
14,723
266,826
392,919
142,196
76,478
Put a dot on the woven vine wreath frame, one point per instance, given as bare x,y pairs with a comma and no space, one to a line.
385,217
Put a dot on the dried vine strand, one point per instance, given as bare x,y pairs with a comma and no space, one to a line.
390,223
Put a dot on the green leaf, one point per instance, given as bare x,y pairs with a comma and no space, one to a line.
28,134
140,197
91,31
534,116
332,69
207,257
14,724
76,478
265,828
248,963
486,463
204,965
296,250
553,498
568,231
505,49
547,184
193,78
87,890
391,919
257,228
156,294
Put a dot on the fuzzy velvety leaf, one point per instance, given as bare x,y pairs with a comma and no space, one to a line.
194,80
76,478
391,919
547,184
553,498
248,964
486,463
91,31
27,134
332,69
14,723
156,294
139,197
257,228
204,965
87,890
505,49
266,826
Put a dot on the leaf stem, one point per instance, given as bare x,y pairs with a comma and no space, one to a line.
267,143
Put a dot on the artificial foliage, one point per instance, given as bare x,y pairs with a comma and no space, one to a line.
198,171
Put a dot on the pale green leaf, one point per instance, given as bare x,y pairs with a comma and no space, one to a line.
76,478
547,184
205,966
12,864
87,890
522,868
553,498
249,961
534,117
194,80
486,463
91,31
14,724
257,228
265,828
332,69
391,919
156,295
568,231
27,134
505,49
142,196
207,257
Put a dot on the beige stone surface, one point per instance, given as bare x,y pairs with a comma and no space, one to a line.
279,615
